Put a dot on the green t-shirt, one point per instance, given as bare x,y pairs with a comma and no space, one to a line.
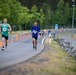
4,29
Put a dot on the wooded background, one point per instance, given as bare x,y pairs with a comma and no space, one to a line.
22,13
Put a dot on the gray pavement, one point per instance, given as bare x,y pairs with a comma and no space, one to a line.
68,38
18,52
22,50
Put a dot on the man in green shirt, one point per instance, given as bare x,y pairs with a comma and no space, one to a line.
5,28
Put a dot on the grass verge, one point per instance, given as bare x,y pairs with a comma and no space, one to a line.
64,33
52,61
17,32
74,36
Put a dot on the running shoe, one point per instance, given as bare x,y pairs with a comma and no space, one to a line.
2,48
6,45
35,48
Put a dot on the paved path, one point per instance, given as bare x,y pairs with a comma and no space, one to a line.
68,38
18,52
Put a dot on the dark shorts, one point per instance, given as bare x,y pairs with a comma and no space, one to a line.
35,37
6,37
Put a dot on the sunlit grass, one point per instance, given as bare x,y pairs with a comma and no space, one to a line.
16,32
64,33
74,36
66,66
52,61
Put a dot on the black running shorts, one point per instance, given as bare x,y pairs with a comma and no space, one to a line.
6,37
35,37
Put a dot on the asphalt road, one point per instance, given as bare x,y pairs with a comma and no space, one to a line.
18,52
68,38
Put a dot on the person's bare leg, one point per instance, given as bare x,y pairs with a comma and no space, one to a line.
3,43
6,43
35,44
33,41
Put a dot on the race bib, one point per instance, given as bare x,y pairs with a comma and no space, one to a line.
34,31
4,29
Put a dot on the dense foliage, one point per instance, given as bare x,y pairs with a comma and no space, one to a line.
22,13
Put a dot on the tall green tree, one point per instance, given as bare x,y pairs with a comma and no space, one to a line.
59,13
23,17
35,14
66,14
4,9
75,14
14,7
42,18
71,14
75,18
62,13
47,13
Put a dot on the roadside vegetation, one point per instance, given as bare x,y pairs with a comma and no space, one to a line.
74,36
16,32
52,61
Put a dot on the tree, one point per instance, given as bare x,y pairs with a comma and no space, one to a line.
66,13
70,18
53,19
47,13
75,15
14,13
42,18
59,18
4,9
23,16
34,14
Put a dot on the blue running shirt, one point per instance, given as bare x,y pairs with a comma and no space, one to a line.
35,30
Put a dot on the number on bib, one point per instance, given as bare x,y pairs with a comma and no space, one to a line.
4,29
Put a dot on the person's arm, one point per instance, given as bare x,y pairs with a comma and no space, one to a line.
10,28
38,29
0,27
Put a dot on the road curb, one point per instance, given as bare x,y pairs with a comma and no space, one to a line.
24,60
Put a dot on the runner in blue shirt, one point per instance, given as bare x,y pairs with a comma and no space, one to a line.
35,29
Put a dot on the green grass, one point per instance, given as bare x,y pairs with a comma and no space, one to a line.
67,33
50,62
58,64
74,36
65,67
64,33
17,32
